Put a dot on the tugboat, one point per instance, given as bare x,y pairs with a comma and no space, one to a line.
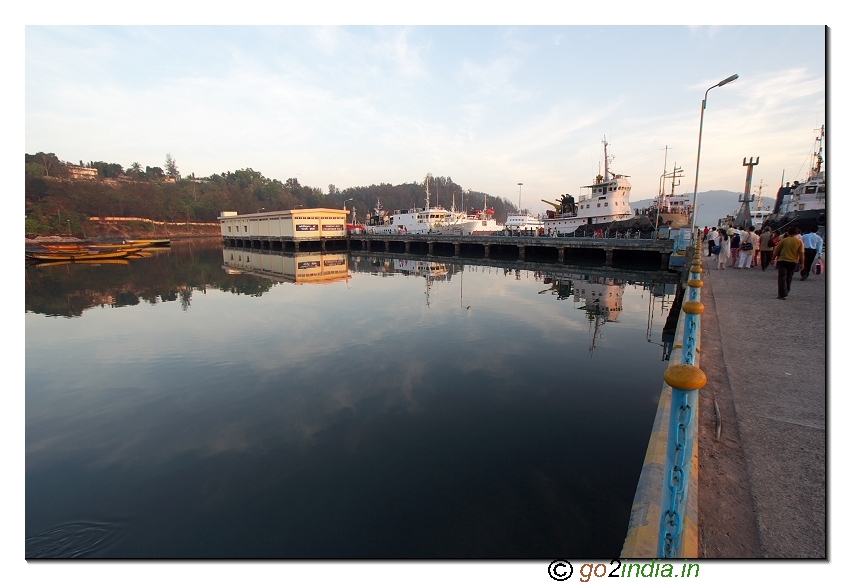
803,205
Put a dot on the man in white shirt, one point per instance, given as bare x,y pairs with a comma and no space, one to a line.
813,248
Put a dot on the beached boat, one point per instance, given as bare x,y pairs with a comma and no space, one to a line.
606,202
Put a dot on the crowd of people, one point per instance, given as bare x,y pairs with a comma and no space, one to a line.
790,251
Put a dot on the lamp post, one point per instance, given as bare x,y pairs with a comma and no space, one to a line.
699,145
520,196
343,207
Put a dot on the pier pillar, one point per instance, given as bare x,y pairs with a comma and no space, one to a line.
430,247
324,248
486,250
407,246
609,257
560,254
457,249
368,244
521,252
296,245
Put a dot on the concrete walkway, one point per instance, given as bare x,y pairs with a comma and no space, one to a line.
762,488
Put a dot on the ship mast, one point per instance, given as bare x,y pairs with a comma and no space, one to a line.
427,192
605,145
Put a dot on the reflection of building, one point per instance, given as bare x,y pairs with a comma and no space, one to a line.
292,267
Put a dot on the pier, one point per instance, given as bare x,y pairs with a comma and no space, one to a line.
758,471
608,251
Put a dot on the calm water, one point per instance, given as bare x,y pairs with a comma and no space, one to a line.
336,406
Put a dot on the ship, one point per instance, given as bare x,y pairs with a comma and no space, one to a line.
605,204
416,220
803,204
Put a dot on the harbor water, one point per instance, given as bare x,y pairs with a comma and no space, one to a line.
210,403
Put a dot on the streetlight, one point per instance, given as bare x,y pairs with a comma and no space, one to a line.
520,196
261,210
699,145
343,206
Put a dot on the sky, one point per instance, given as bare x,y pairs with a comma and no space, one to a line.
489,106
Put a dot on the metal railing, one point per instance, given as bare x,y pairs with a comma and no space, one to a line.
685,379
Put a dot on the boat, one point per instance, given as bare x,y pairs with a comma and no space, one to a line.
149,242
606,202
81,255
416,221
481,221
523,222
673,210
803,204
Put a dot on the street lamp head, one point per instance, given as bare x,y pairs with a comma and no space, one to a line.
727,80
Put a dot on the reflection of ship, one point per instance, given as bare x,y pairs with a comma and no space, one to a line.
296,268
608,201
803,205
603,302
430,270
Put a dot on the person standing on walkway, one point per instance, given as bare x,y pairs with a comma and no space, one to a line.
766,244
735,245
813,247
788,253
757,248
746,249
712,234
723,251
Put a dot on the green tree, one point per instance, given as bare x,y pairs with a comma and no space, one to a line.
171,167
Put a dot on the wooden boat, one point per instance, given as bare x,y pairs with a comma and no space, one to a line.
82,255
84,262
149,242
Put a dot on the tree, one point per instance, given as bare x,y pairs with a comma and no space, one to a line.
171,167
155,172
332,190
135,170
49,161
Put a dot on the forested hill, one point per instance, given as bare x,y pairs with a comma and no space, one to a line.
61,196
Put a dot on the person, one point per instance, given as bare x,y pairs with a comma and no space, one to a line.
735,245
746,249
766,244
813,245
718,238
757,248
711,240
723,251
788,253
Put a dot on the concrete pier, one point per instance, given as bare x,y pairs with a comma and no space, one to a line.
762,490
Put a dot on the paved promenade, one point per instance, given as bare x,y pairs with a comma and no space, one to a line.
762,486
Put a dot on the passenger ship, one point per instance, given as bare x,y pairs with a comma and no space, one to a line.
607,201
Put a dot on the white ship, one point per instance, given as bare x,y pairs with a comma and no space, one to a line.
607,201
416,221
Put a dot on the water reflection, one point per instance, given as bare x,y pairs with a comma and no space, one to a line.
423,409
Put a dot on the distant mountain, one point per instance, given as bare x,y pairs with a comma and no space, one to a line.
714,205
